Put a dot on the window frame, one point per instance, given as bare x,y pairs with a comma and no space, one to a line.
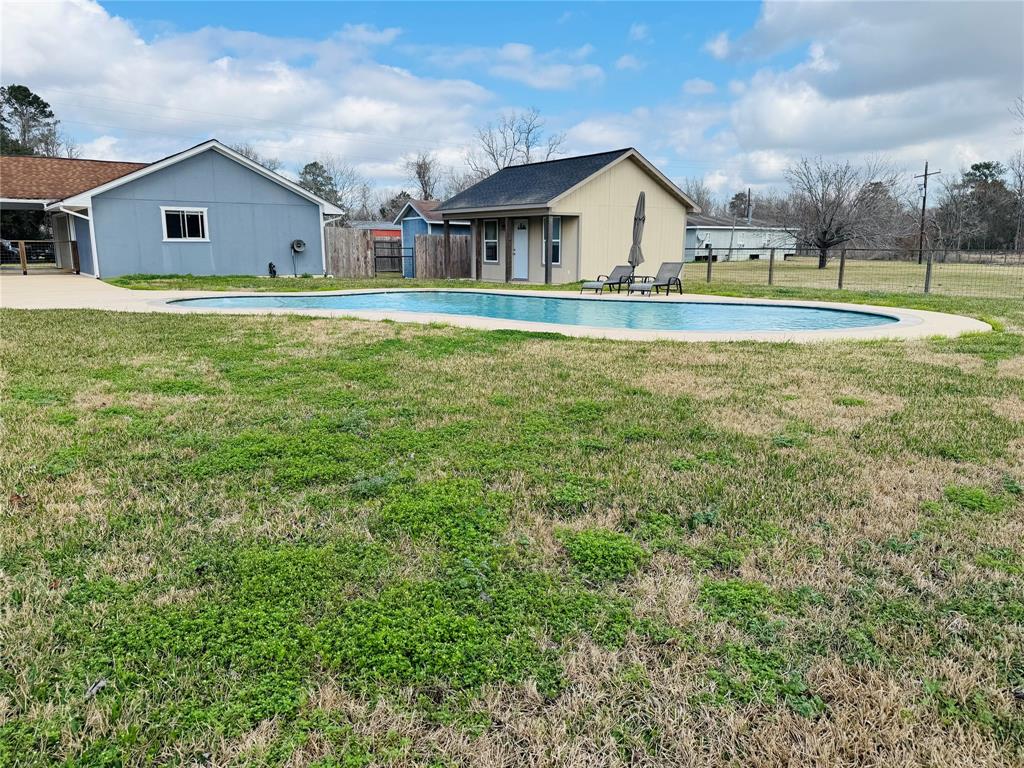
555,262
484,241
185,209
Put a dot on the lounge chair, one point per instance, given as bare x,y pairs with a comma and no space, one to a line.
667,278
618,277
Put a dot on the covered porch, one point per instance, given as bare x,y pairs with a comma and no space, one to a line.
514,246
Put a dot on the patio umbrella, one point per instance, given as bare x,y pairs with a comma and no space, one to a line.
636,254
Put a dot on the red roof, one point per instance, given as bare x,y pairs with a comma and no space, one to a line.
29,177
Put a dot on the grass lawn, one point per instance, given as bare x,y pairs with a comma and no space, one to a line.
280,540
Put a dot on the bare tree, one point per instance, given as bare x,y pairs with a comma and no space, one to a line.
515,138
836,202
1015,166
456,181
1017,110
700,193
424,171
245,149
349,184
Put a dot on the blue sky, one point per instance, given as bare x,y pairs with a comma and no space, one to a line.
731,92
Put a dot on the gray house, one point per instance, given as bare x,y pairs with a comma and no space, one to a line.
205,211
724,238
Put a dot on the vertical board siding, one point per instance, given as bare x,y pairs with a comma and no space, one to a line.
430,257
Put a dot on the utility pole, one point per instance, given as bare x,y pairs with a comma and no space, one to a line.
748,206
924,202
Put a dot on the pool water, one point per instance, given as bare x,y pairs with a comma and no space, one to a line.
639,314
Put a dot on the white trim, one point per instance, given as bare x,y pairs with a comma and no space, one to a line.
84,198
419,215
544,243
745,227
185,209
484,241
92,243
323,243
23,200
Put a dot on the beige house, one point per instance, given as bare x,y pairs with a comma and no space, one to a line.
586,202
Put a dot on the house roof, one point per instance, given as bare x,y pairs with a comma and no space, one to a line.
424,209
83,197
373,224
540,184
704,221
29,177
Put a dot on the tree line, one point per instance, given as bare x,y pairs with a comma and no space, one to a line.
828,204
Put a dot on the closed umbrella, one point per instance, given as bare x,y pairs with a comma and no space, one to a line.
636,254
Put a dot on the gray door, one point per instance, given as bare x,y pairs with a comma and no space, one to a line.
521,250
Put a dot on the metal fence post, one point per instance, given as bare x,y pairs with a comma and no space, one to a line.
711,257
928,271
842,267
771,267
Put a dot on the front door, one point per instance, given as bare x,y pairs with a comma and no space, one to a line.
521,250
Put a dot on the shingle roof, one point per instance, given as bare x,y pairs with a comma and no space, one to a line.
532,184
426,208
28,177
703,220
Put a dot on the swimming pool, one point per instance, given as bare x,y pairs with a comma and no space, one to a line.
639,314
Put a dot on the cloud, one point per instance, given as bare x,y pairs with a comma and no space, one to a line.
368,35
695,86
846,81
126,97
638,32
554,70
629,62
718,46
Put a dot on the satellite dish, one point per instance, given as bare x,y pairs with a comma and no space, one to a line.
298,246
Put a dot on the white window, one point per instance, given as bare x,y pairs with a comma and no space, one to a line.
491,241
556,243
184,224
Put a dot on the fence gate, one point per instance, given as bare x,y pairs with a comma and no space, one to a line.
389,256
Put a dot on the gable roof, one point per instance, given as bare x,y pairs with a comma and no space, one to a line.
424,209
540,184
30,177
83,197
704,221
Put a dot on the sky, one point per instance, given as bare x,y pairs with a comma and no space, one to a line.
731,92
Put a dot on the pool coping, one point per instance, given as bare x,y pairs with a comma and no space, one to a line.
910,323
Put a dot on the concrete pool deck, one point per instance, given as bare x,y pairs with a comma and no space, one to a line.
61,291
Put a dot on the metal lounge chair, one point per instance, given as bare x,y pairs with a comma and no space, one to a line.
667,278
618,277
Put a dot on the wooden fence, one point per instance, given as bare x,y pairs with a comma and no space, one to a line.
349,252
430,257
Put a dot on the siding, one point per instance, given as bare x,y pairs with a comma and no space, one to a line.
564,273
764,239
251,220
606,205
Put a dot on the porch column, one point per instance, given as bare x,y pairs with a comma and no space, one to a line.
472,249
508,250
478,239
549,248
447,250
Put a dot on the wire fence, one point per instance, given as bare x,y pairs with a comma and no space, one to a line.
985,274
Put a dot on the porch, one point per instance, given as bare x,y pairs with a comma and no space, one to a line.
517,248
